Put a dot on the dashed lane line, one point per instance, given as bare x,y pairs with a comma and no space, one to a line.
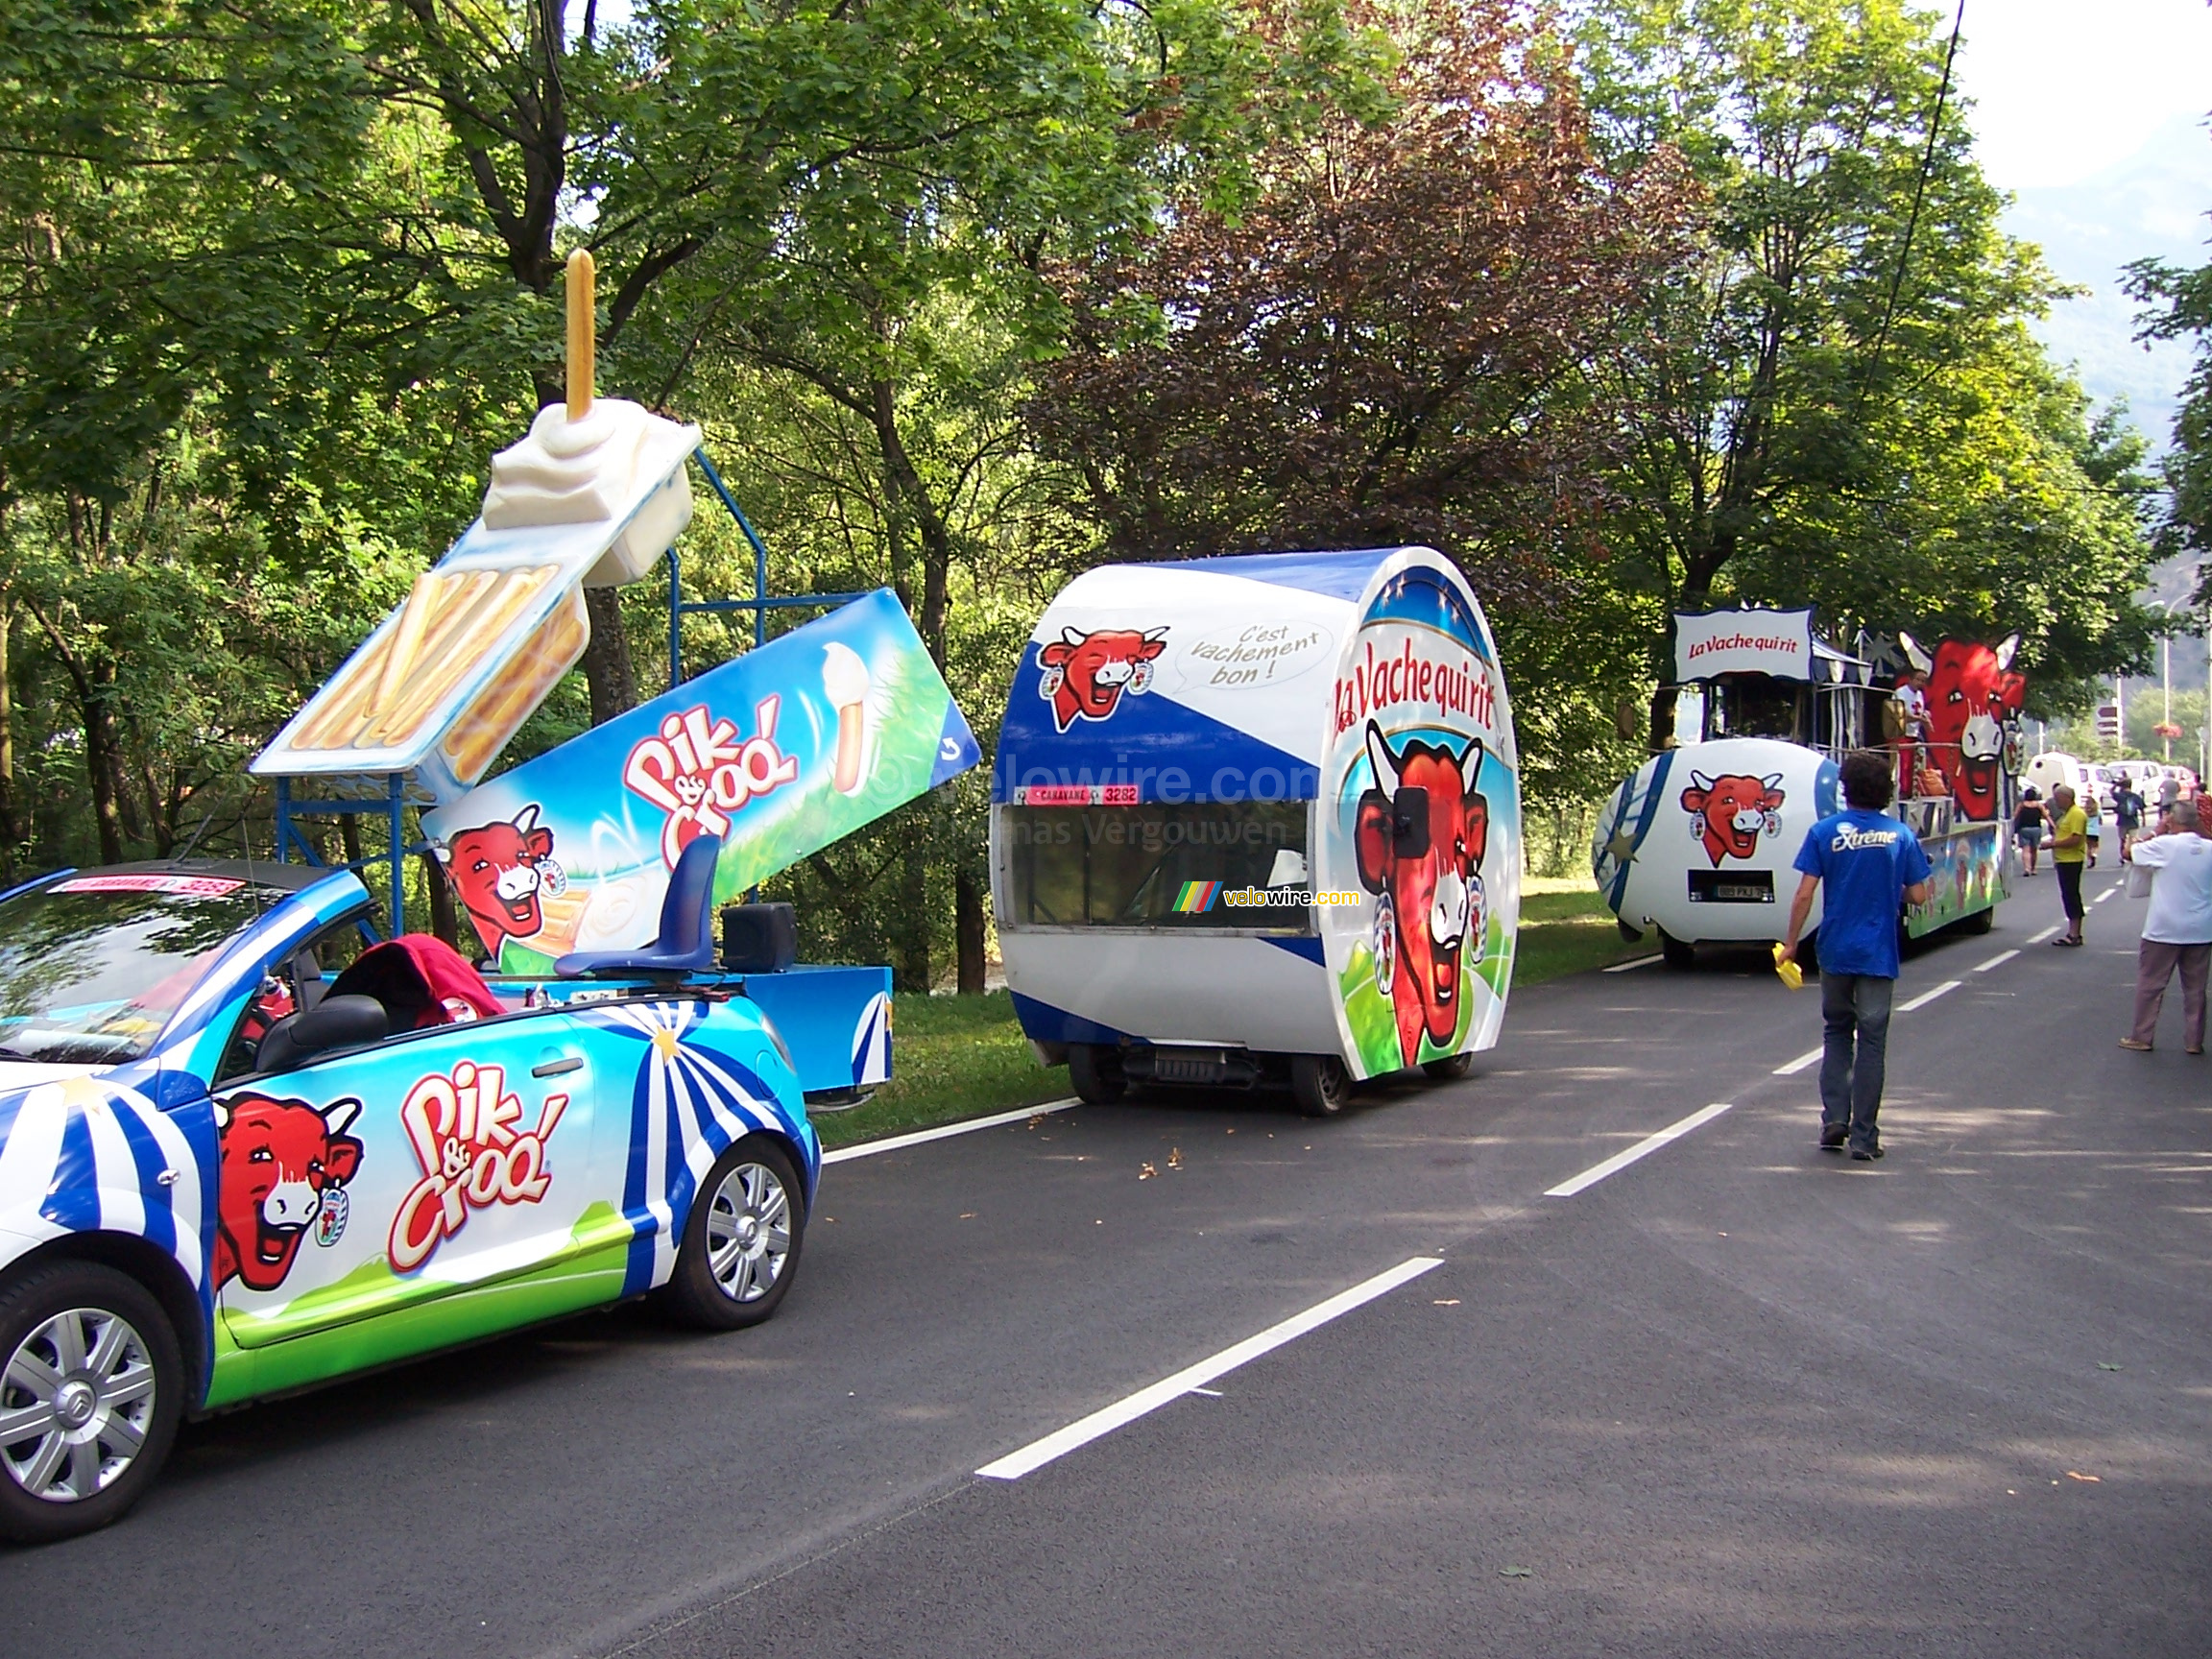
1927,996
2106,894
1192,1379
2050,932
1997,961
1643,1148
1810,1057
898,1143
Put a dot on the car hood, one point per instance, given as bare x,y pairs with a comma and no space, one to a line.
17,1074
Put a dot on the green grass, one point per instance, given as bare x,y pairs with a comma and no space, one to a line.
955,1057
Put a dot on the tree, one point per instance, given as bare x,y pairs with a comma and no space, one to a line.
2178,307
1831,401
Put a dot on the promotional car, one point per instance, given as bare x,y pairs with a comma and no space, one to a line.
228,1171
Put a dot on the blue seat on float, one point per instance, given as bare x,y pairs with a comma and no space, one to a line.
687,940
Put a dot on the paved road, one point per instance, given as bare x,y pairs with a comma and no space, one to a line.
1738,1398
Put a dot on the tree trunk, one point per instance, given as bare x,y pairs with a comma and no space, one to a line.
968,932
442,920
10,828
103,770
607,664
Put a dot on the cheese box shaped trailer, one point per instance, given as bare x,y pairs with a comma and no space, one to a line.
1256,821
1701,841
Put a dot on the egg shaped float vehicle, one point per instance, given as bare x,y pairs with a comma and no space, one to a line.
1256,821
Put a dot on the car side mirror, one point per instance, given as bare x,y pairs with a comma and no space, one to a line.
1409,820
334,1023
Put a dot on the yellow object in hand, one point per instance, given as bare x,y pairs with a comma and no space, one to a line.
1791,974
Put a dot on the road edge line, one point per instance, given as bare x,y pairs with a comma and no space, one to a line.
944,1130
1147,1400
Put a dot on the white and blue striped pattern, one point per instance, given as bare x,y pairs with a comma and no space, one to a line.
88,1154
687,1106
872,1043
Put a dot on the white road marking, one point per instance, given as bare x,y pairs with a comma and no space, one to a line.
1927,996
899,1142
1643,1148
1639,962
1999,960
1808,1058
2106,894
1190,1379
2050,932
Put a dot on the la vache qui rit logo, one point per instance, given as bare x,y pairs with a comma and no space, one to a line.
701,773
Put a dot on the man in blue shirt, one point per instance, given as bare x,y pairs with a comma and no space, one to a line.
1872,864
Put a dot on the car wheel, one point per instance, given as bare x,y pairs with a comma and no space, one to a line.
1450,1066
1980,921
741,1241
1633,934
1677,953
91,1388
1809,953
1319,1084
1095,1074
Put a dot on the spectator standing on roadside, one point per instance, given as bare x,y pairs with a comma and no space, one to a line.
2069,848
2028,827
2169,792
2126,811
2178,930
2093,825
1872,865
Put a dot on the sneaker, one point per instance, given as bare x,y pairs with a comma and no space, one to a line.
2129,1043
1832,1139
1864,1154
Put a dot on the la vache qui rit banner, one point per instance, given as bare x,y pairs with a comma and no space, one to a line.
781,752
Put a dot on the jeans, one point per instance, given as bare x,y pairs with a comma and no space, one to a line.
2155,965
1854,1009
2069,888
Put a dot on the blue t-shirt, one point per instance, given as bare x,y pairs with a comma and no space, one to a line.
1865,860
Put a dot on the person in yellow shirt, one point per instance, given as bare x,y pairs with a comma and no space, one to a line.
2069,852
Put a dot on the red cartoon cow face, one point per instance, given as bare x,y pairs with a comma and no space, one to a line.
279,1157
496,871
1430,885
1085,674
1972,694
1728,812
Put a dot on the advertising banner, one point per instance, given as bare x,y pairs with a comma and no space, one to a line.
1777,642
780,751
1422,798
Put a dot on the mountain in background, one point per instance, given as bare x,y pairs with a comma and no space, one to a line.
2152,205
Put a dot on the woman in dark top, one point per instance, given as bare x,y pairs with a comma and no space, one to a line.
2028,827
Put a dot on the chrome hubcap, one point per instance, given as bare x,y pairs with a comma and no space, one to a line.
76,1401
748,1232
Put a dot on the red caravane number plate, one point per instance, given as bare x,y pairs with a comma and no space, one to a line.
1077,795
191,886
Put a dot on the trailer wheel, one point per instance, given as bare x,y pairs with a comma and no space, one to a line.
1096,1073
1980,921
1319,1084
1678,952
1450,1066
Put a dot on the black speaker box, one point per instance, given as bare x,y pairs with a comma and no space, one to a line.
759,938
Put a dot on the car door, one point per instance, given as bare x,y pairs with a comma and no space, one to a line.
436,1187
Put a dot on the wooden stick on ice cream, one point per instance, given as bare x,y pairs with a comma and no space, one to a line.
583,328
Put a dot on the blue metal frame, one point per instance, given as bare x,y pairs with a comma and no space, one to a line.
759,604
288,838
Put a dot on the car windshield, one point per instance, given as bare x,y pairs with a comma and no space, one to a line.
91,966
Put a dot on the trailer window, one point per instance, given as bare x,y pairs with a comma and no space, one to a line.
1156,866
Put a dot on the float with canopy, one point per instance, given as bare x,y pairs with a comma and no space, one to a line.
1256,821
1700,841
